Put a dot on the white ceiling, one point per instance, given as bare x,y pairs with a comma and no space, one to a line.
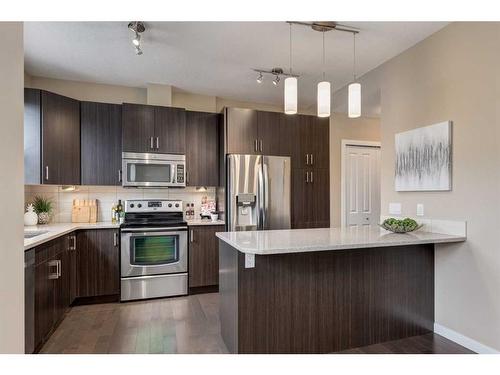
215,58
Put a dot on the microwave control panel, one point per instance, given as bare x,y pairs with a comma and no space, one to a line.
180,173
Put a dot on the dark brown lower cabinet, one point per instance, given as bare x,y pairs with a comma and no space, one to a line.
52,286
204,255
97,258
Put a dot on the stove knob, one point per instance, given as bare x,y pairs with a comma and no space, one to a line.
139,205
177,205
131,205
170,205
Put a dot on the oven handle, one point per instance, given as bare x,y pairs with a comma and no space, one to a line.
169,229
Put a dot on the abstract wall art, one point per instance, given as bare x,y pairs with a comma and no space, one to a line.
423,158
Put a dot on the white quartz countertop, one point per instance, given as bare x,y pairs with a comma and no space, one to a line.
306,240
57,230
196,222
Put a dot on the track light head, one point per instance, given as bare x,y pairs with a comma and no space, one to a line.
276,81
137,40
137,27
260,78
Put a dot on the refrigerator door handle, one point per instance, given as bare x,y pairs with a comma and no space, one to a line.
265,202
260,199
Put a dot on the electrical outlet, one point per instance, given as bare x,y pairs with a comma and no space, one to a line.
420,209
395,208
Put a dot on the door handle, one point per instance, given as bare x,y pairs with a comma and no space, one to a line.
312,178
307,159
191,239
46,172
157,143
307,177
58,268
151,145
115,239
119,175
312,160
187,177
255,145
261,145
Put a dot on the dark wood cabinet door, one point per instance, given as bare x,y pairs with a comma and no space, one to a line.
268,124
170,130
44,302
241,131
204,256
101,132
60,140
319,142
319,216
32,141
300,198
290,139
202,153
305,140
138,127
98,262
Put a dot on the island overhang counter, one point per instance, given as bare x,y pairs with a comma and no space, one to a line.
325,290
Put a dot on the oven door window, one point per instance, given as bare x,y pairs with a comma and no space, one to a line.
154,250
149,172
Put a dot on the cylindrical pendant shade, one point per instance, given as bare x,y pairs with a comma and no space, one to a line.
324,99
291,95
354,99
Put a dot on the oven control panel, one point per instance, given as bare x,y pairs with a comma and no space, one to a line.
150,205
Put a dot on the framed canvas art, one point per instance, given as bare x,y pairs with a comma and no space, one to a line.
423,158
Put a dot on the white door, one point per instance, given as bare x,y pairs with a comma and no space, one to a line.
362,185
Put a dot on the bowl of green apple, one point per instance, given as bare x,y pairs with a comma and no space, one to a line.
400,225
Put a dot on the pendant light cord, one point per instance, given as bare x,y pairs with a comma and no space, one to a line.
290,48
354,57
323,55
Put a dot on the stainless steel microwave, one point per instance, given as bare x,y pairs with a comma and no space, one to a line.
153,170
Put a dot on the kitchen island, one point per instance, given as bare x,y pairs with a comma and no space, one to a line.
325,290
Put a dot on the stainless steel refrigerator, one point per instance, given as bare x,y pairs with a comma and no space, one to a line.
257,192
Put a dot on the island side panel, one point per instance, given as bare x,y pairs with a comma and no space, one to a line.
228,294
328,301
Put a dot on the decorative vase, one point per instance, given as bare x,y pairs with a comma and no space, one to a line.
43,218
30,217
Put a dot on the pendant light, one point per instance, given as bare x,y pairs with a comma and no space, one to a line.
354,89
291,87
324,91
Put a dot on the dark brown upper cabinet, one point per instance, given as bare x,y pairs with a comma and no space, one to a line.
314,142
170,130
52,138
153,129
290,139
101,134
241,131
268,124
202,154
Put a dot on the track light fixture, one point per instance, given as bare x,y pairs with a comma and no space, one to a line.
138,28
277,73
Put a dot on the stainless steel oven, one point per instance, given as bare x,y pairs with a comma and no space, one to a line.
153,170
154,250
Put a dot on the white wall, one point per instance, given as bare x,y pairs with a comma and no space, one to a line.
454,75
11,188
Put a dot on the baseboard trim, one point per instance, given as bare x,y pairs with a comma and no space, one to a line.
465,341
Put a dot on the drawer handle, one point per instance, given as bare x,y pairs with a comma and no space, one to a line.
192,236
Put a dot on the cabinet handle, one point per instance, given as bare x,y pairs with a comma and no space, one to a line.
307,177
115,239
151,145
187,177
192,236
312,178
307,159
157,143
46,172
52,275
119,175
74,242
255,145
312,160
58,268
261,145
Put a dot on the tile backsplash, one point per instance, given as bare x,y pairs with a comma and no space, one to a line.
107,196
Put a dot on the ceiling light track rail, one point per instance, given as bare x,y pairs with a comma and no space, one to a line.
276,72
324,26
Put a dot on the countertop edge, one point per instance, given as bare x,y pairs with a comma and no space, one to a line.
452,239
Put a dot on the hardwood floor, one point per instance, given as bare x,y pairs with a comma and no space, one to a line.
182,325
430,343
171,325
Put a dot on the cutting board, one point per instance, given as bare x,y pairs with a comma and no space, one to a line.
84,211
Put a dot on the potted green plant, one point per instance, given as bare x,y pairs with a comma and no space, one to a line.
43,208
